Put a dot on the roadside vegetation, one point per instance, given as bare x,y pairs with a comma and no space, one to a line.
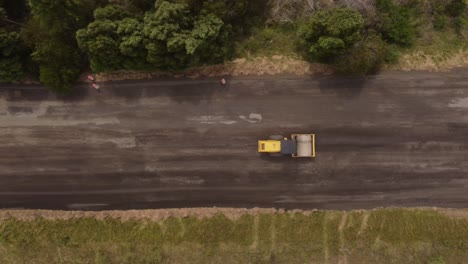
54,41
378,236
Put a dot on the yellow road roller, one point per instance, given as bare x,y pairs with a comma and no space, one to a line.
298,146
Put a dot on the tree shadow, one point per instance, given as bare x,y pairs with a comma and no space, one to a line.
179,91
78,93
344,85
21,94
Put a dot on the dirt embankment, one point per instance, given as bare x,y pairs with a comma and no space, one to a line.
420,61
150,214
240,67
289,65
161,214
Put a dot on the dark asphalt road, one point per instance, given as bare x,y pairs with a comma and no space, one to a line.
397,139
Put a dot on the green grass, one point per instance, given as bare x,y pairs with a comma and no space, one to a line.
269,41
381,236
440,45
281,40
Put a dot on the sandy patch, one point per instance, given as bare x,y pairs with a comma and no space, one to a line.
454,213
200,213
152,215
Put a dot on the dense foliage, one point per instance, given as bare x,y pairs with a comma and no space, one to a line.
11,66
331,33
171,35
14,54
359,43
396,22
366,56
54,41
168,37
55,49
338,36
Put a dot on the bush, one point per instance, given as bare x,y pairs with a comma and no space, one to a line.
365,57
460,24
392,55
11,49
440,22
330,33
59,64
396,23
456,8
53,42
59,77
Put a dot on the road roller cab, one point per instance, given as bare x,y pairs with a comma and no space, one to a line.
299,146
269,146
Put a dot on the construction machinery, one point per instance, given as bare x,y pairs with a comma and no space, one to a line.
298,146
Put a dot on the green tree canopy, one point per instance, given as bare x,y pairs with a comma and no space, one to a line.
101,42
54,45
330,33
396,23
59,64
14,54
11,49
172,35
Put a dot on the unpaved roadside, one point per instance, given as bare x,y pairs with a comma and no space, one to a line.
150,214
240,67
420,61
281,65
161,214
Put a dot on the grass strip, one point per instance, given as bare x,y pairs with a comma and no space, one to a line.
378,236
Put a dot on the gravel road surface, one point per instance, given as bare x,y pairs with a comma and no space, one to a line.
396,139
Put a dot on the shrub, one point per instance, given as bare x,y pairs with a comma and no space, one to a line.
396,23
11,61
460,24
440,22
392,55
365,57
330,33
455,8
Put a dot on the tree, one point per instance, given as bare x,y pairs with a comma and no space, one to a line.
132,43
63,17
11,49
59,64
100,41
114,40
206,27
175,36
55,47
111,12
330,33
165,30
172,36
396,23
13,52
